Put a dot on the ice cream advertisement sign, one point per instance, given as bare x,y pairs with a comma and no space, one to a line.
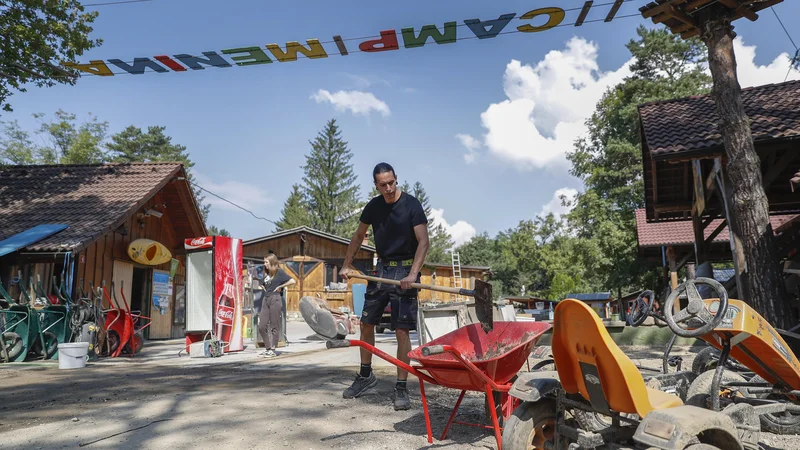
533,21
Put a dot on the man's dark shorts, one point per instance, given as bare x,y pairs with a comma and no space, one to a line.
403,302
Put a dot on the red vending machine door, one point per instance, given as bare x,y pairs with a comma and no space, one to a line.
228,299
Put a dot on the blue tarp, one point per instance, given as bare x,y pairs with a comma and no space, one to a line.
29,236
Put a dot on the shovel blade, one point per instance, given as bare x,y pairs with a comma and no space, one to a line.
484,307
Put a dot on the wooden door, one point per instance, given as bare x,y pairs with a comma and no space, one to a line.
122,276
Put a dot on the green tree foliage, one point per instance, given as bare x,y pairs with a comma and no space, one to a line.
214,231
330,188
36,37
63,141
594,248
295,211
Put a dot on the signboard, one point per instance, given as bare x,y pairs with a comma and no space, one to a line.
162,290
536,20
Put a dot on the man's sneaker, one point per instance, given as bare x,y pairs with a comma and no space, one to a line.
270,354
360,385
401,401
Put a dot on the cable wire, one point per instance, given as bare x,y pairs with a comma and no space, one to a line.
796,58
234,204
117,3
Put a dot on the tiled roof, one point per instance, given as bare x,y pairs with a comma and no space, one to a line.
90,199
691,124
680,232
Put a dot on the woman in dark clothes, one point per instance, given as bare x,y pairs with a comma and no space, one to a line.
269,319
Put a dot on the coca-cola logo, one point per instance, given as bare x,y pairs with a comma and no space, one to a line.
225,314
200,242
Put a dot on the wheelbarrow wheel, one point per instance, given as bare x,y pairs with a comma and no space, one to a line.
14,345
779,423
531,427
113,341
50,344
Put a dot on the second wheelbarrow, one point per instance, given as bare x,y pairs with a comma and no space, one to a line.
470,360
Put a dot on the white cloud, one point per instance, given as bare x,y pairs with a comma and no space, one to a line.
357,102
751,74
460,231
365,81
471,144
410,90
554,205
246,195
547,105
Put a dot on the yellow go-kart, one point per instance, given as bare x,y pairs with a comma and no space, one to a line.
594,377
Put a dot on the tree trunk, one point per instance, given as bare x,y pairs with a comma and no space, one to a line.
764,288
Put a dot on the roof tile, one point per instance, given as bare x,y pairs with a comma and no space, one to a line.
691,124
88,198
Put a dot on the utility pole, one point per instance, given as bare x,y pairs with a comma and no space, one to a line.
711,21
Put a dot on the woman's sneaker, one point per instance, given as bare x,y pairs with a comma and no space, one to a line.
360,385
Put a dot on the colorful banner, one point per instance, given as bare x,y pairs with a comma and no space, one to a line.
540,19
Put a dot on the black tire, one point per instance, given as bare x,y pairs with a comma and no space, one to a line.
780,423
531,422
591,421
14,345
705,360
50,344
701,447
380,330
113,341
547,364
699,393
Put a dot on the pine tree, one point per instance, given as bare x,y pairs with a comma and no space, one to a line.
439,239
295,211
330,187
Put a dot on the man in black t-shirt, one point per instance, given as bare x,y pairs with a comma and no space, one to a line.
400,230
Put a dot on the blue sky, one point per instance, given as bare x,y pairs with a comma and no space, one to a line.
483,124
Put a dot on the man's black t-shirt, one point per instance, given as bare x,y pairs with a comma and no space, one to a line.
393,225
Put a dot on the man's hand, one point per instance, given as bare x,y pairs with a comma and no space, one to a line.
345,273
405,283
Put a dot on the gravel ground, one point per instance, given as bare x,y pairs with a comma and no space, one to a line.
293,401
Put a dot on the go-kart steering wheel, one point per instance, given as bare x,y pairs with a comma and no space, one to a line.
641,309
696,309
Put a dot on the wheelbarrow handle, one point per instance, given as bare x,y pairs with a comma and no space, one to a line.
432,350
339,343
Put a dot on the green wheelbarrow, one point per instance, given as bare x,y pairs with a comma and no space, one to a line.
53,320
22,335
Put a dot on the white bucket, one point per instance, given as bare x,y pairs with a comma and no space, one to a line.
72,355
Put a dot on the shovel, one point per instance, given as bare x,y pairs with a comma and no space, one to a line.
482,294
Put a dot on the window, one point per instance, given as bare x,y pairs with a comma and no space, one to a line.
331,274
308,267
179,314
294,266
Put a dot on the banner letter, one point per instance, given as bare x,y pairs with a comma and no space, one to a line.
211,59
315,50
479,28
388,41
254,56
556,17
448,37
95,67
139,65
169,62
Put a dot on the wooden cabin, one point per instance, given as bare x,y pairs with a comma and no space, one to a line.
313,258
105,207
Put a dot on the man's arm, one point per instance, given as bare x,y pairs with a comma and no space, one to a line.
421,231
352,249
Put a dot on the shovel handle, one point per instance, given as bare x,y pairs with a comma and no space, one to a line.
430,287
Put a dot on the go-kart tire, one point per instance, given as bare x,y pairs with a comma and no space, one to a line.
699,393
708,358
591,421
782,423
531,421
14,345
701,447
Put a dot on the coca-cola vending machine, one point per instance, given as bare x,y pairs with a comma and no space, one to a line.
214,291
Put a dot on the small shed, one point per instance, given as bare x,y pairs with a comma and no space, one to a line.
602,302
105,208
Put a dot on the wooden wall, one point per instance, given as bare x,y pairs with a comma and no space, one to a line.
444,277
96,262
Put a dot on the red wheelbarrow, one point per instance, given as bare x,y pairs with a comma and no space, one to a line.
470,360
